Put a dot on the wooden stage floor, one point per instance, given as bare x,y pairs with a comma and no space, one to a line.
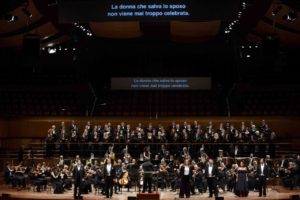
164,195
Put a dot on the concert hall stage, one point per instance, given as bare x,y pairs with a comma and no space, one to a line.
164,195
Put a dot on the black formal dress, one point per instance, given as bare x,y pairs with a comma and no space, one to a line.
241,188
211,172
78,175
263,175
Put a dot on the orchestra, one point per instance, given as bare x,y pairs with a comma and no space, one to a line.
194,169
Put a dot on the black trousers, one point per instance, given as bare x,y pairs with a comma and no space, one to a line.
262,184
147,183
77,191
109,186
185,186
212,186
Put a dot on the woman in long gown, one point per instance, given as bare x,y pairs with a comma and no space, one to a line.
241,188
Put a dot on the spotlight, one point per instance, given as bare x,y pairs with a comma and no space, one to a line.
291,16
10,18
52,3
52,50
277,10
26,12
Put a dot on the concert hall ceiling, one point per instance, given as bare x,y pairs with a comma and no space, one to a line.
258,19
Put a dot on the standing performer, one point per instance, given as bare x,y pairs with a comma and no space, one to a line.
241,188
148,169
109,174
186,176
78,175
211,172
262,177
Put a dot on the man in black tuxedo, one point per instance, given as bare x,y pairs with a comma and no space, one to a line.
109,175
78,175
211,172
262,177
148,169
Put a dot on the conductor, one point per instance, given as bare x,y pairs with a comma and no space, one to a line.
148,169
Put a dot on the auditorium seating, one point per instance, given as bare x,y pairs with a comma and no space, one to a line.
262,100
158,103
43,95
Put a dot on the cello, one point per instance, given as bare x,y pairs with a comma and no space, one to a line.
124,180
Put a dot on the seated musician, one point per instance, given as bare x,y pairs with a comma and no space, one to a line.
291,175
163,175
89,179
37,177
56,181
18,176
119,172
65,175
8,174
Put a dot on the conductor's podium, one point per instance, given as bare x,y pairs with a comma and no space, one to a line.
147,196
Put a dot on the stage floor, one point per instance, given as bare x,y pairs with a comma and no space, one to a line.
272,194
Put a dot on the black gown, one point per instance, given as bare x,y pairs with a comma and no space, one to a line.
241,188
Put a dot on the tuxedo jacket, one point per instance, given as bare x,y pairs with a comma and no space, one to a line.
265,172
78,175
112,171
214,171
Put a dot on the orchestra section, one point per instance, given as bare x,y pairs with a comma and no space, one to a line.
94,158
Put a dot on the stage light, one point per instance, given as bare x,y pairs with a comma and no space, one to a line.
248,56
26,12
52,50
290,16
10,18
277,10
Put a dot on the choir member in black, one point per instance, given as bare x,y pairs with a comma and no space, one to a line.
148,169
241,188
63,148
73,127
109,175
186,173
211,173
262,176
74,147
78,175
